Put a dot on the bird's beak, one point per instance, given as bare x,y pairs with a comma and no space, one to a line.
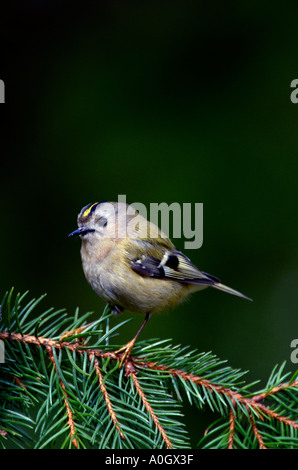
81,231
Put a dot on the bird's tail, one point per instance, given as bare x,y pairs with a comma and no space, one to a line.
229,290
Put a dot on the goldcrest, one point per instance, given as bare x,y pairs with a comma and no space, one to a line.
133,265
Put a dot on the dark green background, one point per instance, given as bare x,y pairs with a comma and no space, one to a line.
163,102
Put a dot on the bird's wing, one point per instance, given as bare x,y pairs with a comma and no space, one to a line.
153,259
156,260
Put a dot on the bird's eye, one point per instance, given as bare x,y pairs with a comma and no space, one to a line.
102,221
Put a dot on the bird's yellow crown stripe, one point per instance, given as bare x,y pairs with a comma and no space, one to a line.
87,211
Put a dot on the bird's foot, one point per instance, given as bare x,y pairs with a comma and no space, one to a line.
126,352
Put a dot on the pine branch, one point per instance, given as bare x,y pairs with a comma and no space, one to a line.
70,421
106,395
147,405
61,391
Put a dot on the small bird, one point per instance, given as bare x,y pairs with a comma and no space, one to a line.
133,265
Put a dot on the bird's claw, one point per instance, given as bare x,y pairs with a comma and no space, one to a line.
126,352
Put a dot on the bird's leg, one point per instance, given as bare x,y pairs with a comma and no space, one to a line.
128,347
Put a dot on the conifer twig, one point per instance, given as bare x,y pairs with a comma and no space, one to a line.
106,395
256,432
70,421
150,411
232,419
254,402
